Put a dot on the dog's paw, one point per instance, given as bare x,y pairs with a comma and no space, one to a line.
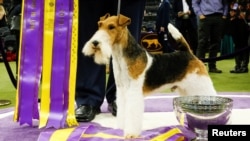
174,32
131,136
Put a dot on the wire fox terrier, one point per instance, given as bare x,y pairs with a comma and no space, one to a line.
138,73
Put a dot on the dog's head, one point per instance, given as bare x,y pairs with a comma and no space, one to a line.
111,30
115,26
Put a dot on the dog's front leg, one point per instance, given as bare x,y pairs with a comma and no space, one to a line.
134,109
120,100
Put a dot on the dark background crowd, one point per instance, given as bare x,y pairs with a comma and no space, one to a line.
226,35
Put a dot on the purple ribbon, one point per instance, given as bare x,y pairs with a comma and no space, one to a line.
74,136
30,63
60,48
77,133
146,135
89,128
45,135
177,136
67,71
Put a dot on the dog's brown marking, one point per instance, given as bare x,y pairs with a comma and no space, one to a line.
136,66
147,90
198,66
185,44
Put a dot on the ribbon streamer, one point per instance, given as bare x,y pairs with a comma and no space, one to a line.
71,120
48,36
30,63
60,48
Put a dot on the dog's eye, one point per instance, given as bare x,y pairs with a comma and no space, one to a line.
111,27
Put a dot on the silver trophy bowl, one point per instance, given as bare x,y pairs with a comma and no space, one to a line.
197,112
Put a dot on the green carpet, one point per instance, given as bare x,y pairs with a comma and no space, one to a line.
7,90
224,82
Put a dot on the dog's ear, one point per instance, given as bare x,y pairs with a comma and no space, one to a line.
123,20
104,17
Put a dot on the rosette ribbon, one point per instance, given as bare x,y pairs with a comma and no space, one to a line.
47,60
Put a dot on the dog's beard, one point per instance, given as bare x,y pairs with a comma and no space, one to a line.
101,55
100,58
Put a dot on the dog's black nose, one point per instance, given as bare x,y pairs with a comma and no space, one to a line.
95,43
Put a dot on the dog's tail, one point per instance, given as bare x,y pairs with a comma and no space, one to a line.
177,40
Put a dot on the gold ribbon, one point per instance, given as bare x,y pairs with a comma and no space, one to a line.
16,113
71,120
167,135
49,19
62,134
